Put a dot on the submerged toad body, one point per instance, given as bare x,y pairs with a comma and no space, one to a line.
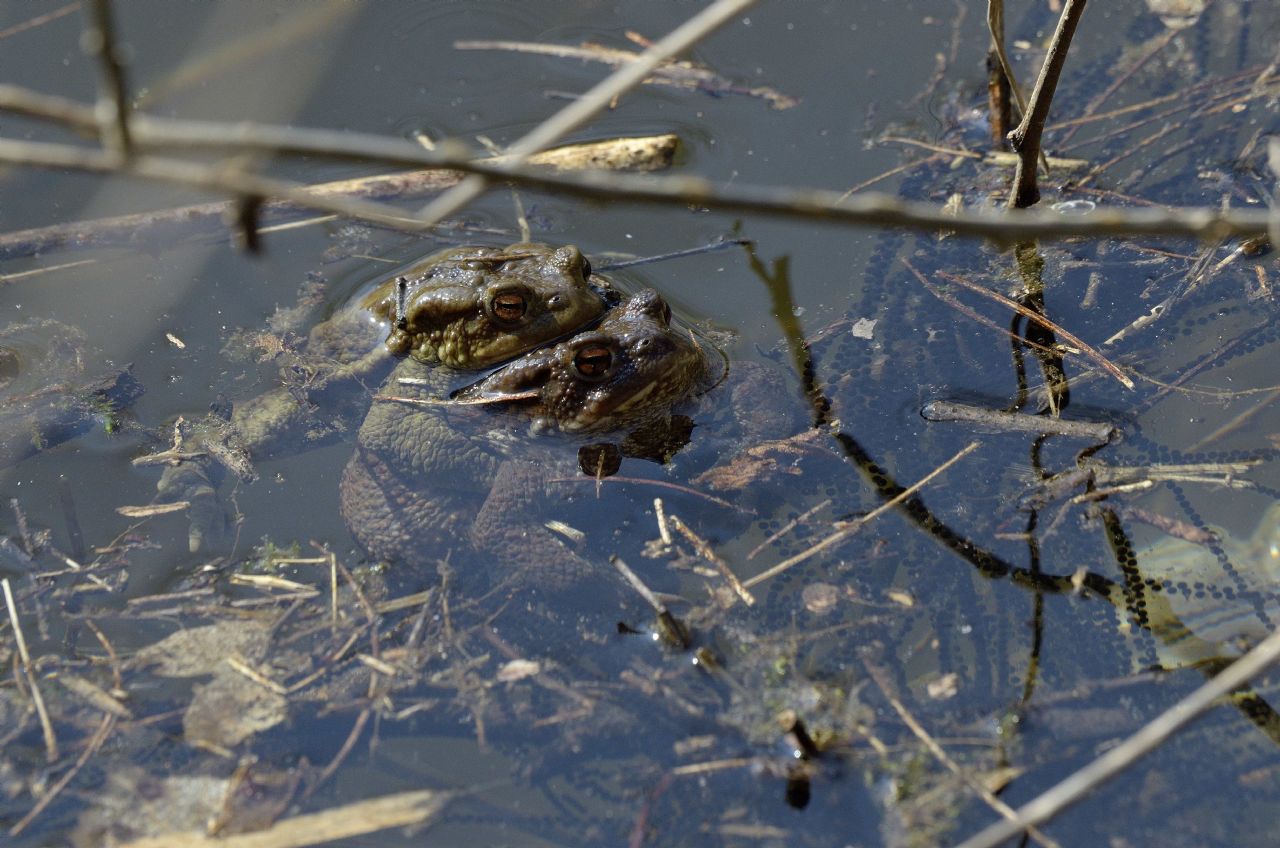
426,478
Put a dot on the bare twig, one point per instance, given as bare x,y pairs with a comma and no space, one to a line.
99,42
38,21
1135,66
864,209
151,133
634,581
1116,760
220,179
946,298
598,98
1025,140
642,153
789,526
117,681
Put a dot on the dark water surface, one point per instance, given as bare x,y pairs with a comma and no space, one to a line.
976,629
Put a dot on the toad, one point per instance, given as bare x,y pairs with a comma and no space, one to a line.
428,478
463,308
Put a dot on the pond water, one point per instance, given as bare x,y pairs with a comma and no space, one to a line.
959,605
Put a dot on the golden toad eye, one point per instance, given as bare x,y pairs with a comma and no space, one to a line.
593,361
508,306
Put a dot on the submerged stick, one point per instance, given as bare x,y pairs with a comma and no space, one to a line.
1015,422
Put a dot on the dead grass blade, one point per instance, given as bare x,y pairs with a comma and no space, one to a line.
402,809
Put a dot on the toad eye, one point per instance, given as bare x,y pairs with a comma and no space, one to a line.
508,307
592,362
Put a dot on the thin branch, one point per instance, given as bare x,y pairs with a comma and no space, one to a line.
221,179
705,551
646,153
151,132
1026,138
38,21
597,99
98,41
869,209
1156,732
